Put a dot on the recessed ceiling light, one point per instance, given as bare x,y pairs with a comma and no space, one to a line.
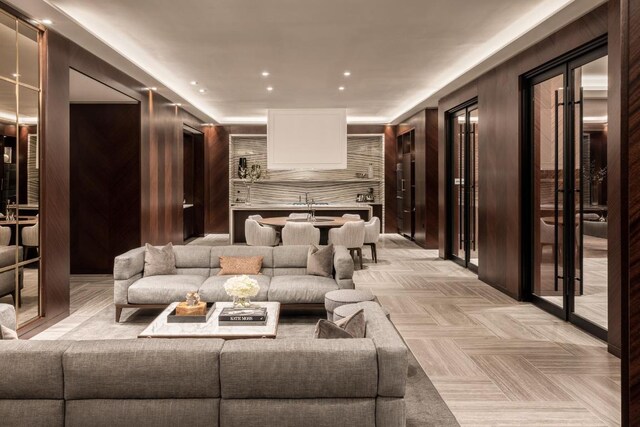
177,104
15,75
347,73
47,21
202,90
151,88
265,74
193,82
341,88
269,88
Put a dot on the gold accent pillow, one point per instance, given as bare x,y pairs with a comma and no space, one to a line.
234,265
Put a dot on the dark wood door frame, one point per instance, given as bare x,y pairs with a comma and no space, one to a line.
467,107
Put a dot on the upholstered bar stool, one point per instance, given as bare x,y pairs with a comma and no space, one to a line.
348,309
340,297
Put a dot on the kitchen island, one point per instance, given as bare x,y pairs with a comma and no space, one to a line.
238,213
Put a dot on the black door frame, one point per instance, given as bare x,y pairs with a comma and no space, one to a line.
467,106
564,65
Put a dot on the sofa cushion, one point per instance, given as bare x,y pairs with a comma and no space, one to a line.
159,260
300,289
193,259
212,289
290,256
298,369
32,413
354,324
326,329
32,369
266,252
7,334
142,369
320,261
163,289
232,266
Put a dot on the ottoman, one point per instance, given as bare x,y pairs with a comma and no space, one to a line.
349,309
337,298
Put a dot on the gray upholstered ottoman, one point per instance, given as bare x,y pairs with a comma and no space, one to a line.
340,297
347,310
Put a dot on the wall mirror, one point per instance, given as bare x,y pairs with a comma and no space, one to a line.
20,168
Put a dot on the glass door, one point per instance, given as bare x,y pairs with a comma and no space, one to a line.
463,187
567,122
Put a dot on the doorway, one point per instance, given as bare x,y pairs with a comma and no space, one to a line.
463,188
565,206
193,180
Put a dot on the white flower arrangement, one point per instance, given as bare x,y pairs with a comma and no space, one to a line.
241,287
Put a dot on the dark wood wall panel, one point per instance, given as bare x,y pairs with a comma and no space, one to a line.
499,102
624,102
432,214
54,176
105,184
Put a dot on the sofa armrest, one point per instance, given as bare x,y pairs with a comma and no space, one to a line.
343,266
8,316
393,361
128,264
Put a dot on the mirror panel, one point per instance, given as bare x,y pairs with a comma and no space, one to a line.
8,66
28,69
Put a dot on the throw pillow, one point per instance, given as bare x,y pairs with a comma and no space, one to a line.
354,324
159,261
231,265
7,333
320,261
329,330
350,327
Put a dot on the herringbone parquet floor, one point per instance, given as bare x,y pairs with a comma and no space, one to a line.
495,361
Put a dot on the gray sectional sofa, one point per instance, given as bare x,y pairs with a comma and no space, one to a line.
283,277
283,382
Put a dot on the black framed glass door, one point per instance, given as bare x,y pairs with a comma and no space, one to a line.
565,209
463,185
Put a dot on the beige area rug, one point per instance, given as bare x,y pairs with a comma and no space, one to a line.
425,407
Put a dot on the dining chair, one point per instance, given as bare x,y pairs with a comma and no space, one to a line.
350,235
351,216
5,236
300,233
30,237
258,235
298,215
372,235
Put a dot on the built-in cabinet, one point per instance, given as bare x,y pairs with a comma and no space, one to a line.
406,170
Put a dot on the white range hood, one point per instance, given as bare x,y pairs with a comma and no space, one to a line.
307,138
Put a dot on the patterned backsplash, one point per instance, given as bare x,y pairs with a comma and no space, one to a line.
286,186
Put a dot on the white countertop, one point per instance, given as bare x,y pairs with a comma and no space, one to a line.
291,207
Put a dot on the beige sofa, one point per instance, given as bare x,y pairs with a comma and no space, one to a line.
283,276
294,382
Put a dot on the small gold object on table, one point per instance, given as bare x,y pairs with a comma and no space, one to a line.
192,306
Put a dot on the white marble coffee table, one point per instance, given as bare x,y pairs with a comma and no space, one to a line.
159,328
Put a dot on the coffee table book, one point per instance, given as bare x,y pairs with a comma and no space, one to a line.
172,317
230,314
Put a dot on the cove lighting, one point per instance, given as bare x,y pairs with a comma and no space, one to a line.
263,119
465,63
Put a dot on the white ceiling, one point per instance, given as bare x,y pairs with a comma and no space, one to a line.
403,55
83,89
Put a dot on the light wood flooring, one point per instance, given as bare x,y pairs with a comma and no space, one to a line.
496,362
